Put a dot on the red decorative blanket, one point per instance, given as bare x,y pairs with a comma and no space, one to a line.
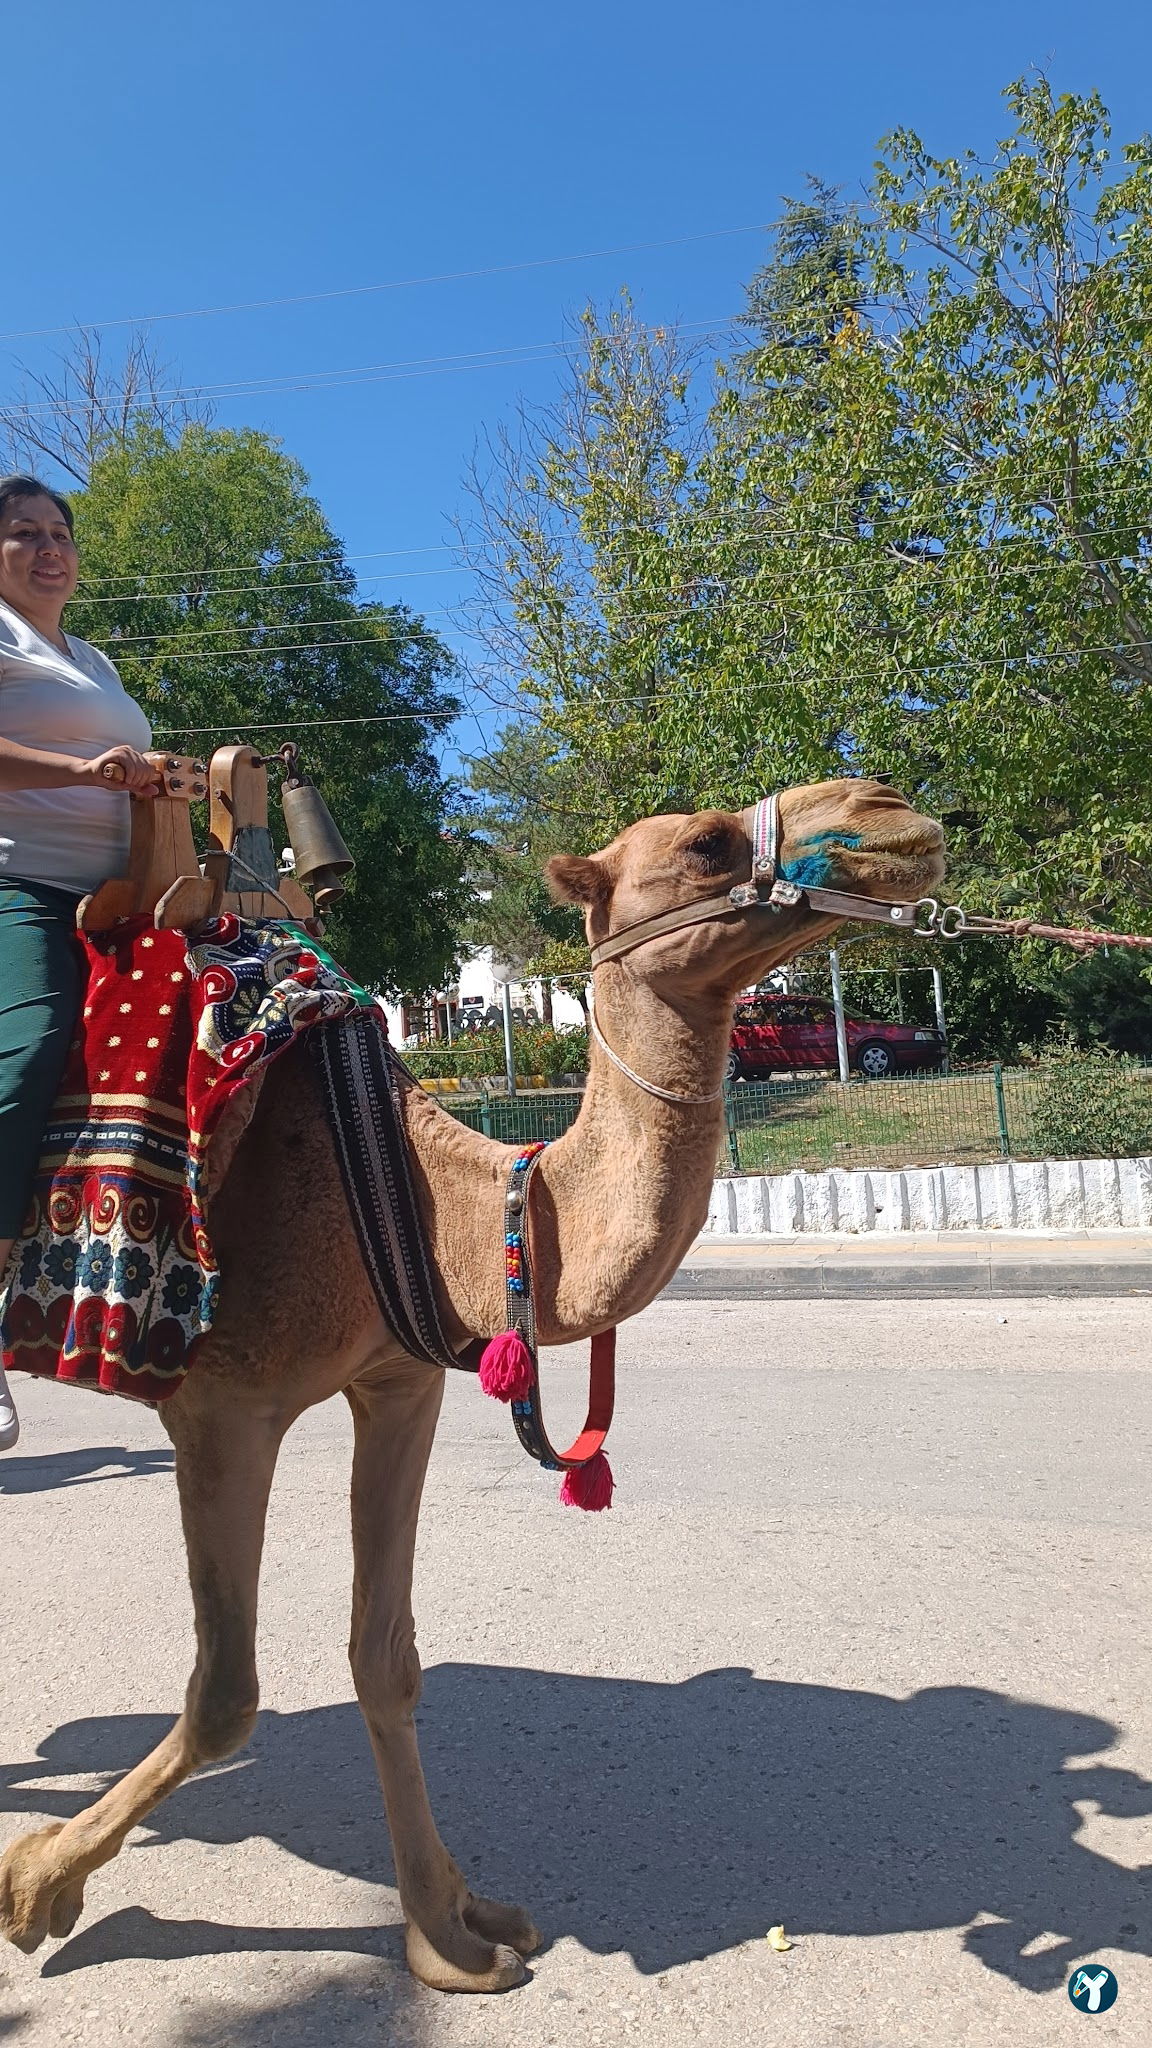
114,1281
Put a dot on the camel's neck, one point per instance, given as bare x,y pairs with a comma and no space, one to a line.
617,1201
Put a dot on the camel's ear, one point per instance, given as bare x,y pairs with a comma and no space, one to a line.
573,879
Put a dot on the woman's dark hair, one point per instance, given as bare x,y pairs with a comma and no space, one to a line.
31,487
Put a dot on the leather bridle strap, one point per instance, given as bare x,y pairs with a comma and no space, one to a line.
528,1413
764,833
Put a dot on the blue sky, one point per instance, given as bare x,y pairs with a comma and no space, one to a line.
163,159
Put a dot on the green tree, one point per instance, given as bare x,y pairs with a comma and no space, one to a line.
814,281
967,493
575,544
907,531
520,819
214,581
1106,1000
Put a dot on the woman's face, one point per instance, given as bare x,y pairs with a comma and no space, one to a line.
38,562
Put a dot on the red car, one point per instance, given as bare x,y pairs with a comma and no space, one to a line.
770,1032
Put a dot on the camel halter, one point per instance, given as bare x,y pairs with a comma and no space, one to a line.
926,918
762,822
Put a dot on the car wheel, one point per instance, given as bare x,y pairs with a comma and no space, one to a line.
875,1061
733,1069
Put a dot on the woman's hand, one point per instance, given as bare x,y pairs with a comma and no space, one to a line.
123,768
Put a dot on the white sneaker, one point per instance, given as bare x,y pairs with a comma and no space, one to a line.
9,1420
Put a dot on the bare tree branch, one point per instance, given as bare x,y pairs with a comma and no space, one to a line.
85,405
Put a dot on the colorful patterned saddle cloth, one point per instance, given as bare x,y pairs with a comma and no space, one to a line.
114,1280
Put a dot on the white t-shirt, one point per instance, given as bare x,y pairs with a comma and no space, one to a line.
70,838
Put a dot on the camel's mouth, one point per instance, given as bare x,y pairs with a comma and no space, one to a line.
910,853
904,860
862,836
916,839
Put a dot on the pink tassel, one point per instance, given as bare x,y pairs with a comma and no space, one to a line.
507,1370
588,1486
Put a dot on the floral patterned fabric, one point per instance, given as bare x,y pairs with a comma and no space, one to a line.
114,1281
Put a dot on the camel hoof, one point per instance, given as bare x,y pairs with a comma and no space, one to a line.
471,1963
507,1926
67,1907
33,1899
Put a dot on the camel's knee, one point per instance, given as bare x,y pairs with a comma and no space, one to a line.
386,1672
219,1715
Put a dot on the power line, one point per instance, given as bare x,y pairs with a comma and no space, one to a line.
896,674
684,614
267,589
391,285
370,639
299,647
507,355
891,559
289,562
652,702
187,732
392,373
881,554
899,675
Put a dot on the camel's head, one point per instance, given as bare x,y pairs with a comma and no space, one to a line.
858,836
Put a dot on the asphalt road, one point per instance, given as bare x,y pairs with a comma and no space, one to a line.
863,1648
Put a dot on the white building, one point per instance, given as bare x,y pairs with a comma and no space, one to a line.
478,994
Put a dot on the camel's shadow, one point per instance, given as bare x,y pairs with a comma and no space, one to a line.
673,1821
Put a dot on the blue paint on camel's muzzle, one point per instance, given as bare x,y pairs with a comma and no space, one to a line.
812,868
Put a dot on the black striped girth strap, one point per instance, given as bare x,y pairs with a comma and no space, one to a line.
527,1409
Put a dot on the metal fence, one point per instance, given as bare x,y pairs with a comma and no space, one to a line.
812,1122
517,1119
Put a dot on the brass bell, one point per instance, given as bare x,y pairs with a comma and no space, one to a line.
322,859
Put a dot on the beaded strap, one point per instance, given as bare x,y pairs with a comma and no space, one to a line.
528,1414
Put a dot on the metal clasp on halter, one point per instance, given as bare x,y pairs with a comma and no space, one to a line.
782,896
951,922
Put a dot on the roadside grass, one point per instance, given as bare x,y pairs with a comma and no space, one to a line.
917,1120
1082,1105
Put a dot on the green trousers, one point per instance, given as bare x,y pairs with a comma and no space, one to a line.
41,968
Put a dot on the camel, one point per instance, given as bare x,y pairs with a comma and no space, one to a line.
616,1204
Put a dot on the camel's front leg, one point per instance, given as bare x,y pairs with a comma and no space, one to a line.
455,1941
225,1457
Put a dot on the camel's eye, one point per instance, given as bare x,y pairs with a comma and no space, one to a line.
710,854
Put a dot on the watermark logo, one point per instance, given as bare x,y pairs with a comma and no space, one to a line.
1092,1988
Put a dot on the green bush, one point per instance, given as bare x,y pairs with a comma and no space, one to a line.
539,1049
544,1050
1089,1105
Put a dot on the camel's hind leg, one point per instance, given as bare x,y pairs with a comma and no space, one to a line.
225,1457
455,1941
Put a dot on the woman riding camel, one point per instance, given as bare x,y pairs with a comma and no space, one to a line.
71,756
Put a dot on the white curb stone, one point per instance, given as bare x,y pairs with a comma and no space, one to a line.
996,1190
1030,1180
752,1205
786,1204
854,1203
1101,1181
722,1207
1066,1194
889,1201
1009,1194
819,1208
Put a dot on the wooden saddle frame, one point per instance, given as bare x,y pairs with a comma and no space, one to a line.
166,876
